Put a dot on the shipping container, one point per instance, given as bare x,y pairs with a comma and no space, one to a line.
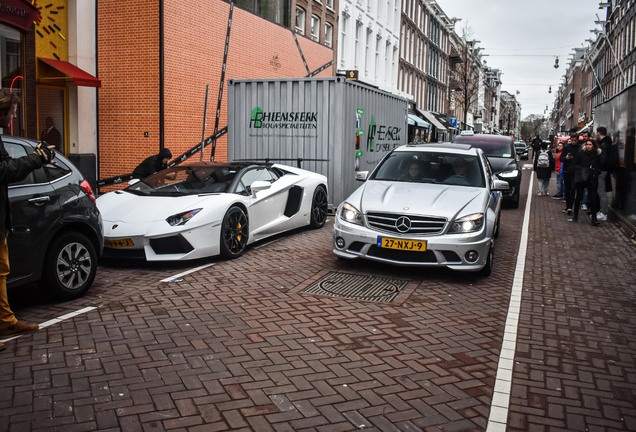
332,126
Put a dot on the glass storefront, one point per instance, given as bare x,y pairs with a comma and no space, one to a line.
618,115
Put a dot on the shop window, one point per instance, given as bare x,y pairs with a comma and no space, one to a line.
315,27
277,12
300,20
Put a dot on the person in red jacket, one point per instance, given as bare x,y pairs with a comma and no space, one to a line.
12,170
558,149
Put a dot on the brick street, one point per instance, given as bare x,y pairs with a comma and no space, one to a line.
240,345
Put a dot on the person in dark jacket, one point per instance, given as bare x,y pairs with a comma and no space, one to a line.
51,135
544,173
12,170
586,170
567,161
536,145
153,164
604,178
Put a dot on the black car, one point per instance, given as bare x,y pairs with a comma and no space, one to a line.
501,153
57,234
522,150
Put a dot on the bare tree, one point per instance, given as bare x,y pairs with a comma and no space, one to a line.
465,76
533,125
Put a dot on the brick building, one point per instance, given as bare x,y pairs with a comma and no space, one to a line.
156,59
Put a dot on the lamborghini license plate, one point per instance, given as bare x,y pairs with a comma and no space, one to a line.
119,243
402,244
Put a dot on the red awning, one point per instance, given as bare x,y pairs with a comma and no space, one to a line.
79,76
19,13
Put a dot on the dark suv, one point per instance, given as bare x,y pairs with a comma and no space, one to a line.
501,153
57,234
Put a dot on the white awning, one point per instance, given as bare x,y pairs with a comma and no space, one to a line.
431,117
587,126
416,121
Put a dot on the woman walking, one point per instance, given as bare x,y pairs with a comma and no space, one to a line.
586,170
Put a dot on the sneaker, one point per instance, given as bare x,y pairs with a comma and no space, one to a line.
557,196
540,193
601,216
583,207
569,212
19,327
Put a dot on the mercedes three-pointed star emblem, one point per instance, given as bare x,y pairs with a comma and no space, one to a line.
403,224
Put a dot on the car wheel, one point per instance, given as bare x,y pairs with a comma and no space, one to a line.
515,199
487,269
234,233
70,266
319,208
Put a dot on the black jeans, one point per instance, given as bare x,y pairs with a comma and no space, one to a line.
568,181
592,186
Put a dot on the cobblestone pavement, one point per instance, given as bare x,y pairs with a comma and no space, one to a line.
245,345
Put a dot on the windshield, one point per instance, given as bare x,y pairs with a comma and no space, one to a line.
186,180
430,167
492,145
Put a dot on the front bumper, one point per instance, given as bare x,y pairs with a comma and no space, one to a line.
169,245
446,250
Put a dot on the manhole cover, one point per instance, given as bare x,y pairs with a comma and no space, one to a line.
362,287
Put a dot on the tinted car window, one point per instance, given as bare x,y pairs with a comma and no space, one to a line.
16,151
56,170
492,147
430,167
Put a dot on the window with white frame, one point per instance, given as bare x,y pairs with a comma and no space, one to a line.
356,50
342,46
315,27
300,20
328,35
330,4
377,59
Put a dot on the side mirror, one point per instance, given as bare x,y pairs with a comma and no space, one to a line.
362,175
500,185
259,185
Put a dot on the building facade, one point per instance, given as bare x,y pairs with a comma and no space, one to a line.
48,60
155,70
368,41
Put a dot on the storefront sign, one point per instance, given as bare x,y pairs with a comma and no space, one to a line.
18,13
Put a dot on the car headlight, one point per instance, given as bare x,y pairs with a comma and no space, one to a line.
509,174
466,224
351,214
182,218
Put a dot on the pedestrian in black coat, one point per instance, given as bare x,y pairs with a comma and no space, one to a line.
567,160
153,164
544,173
586,171
13,170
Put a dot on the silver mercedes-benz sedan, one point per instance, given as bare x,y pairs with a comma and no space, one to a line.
433,205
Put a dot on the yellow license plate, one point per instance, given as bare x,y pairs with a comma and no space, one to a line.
402,244
119,243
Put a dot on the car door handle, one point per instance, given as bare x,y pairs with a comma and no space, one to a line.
40,200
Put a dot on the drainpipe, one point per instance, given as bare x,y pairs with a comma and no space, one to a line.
161,76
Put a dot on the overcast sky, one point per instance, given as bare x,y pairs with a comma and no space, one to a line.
522,39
